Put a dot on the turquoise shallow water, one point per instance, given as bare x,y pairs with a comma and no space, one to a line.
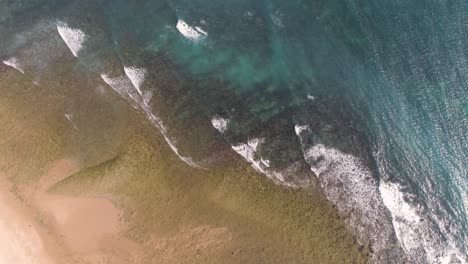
370,96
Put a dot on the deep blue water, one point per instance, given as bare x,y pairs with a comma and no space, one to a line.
370,96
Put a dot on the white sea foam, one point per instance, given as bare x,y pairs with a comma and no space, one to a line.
70,118
350,186
199,29
192,33
36,48
311,97
221,124
414,231
73,37
127,89
401,211
249,152
277,19
137,76
248,14
162,128
14,63
299,129
265,162
123,86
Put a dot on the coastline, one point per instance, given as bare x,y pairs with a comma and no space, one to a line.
230,214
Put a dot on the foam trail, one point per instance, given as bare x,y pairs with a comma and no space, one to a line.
14,63
123,86
74,38
126,88
199,29
221,124
160,125
137,76
69,117
249,152
189,32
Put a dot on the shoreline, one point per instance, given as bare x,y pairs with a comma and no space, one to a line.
230,214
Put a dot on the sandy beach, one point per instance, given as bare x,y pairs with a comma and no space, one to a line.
20,241
49,229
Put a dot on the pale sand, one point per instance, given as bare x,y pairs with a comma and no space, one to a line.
20,241
83,223
53,229
48,228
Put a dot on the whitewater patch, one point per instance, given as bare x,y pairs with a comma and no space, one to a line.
401,211
265,162
413,229
221,124
123,86
73,37
191,33
137,76
349,184
14,63
381,214
311,97
299,129
249,152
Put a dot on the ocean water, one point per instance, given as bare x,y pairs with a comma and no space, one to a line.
367,101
